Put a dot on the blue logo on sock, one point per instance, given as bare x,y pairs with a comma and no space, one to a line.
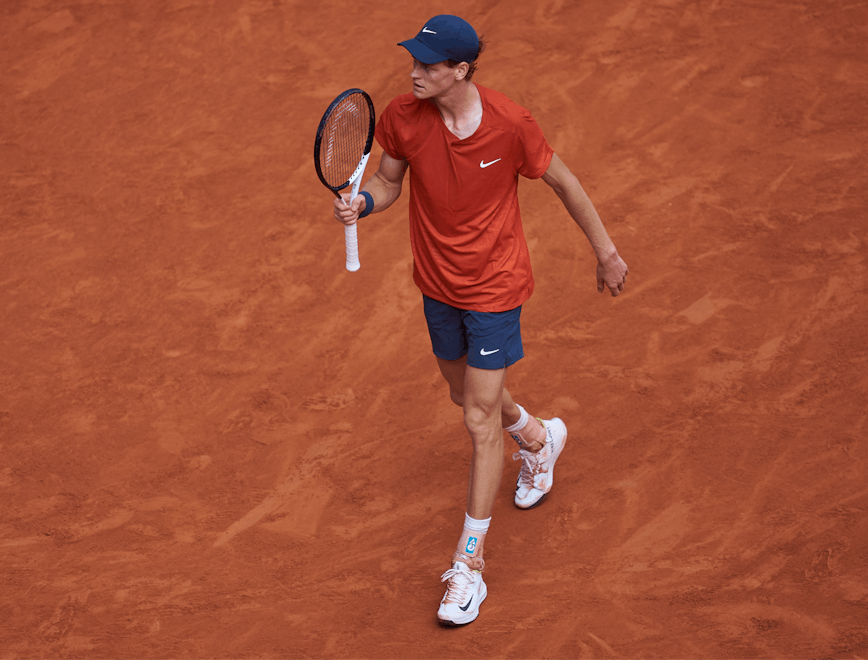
471,545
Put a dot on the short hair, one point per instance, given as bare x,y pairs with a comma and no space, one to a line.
453,63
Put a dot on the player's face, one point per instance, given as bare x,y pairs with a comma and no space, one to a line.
431,80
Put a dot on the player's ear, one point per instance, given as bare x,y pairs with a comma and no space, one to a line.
461,70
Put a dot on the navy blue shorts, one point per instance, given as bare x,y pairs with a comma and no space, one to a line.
490,340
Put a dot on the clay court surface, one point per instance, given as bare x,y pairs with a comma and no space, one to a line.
216,443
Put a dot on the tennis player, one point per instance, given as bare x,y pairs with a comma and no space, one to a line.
465,146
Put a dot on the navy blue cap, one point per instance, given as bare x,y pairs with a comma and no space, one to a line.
444,37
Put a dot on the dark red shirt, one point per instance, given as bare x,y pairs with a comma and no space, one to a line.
466,235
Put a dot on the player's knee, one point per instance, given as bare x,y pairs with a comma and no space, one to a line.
480,423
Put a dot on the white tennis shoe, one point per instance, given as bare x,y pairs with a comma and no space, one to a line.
537,472
465,592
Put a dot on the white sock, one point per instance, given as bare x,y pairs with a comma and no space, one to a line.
473,536
526,432
521,423
476,525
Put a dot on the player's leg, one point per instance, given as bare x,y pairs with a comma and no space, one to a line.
453,373
465,588
494,341
483,395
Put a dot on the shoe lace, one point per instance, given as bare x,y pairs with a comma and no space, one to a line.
529,468
458,584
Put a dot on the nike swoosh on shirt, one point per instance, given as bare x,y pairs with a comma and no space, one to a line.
483,164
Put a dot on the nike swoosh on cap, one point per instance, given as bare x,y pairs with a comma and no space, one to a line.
425,29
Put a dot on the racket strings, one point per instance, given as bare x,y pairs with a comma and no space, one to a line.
344,138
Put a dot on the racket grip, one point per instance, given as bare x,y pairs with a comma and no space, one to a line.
351,236
351,232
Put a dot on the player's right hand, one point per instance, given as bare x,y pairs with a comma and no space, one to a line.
347,213
612,274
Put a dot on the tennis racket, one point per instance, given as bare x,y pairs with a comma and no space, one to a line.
341,151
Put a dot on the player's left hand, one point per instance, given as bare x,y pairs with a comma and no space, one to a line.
612,273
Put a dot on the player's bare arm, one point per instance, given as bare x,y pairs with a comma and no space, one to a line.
384,187
611,269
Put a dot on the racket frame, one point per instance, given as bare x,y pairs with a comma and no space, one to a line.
351,236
